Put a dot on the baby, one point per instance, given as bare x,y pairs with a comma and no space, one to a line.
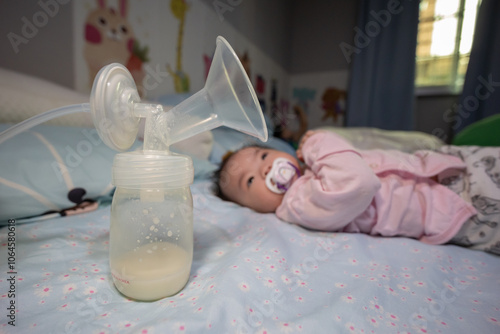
427,195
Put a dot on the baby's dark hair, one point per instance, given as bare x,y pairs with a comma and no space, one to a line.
217,175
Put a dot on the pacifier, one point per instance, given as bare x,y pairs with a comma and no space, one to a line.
280,177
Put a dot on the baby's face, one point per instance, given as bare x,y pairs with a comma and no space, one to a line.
243,179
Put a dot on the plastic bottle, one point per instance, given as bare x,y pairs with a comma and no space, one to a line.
151,232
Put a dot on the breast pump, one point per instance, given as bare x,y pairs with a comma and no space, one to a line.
151,229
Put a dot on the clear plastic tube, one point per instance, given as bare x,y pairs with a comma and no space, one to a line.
41,118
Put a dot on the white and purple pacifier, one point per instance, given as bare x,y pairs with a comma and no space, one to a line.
280,177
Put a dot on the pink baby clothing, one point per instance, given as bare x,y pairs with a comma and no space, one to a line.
377,192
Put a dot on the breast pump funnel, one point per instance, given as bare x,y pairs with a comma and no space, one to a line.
228,99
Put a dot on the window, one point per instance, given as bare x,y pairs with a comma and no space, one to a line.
444,41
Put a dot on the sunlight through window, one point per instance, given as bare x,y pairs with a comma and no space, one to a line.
445,34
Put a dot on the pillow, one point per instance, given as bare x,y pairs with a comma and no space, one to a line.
203,169
226,139
23,96
198,146
373,138
480,133
39,167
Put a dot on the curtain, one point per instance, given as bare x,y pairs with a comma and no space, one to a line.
381,87
481,92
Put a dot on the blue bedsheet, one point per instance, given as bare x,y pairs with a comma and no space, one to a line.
251,274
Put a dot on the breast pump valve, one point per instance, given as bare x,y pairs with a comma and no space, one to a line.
151,231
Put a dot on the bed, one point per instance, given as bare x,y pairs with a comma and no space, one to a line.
251,273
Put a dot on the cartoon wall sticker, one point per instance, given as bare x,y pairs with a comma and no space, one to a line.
287,126
304,96
334,101
260,89
207,62
284,105
277,115
245,61
135,63
181,80
294,127
109,38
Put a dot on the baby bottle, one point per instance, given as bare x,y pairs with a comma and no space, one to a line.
151,232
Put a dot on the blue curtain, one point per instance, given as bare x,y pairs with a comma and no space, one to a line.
381,88
481,92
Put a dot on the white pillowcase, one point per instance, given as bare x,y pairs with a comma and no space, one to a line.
373,138
23,96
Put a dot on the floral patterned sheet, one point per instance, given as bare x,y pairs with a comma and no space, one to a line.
251,274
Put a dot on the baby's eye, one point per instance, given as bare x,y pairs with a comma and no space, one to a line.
264,155
249,182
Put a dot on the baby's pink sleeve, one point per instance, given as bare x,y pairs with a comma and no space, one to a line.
337,188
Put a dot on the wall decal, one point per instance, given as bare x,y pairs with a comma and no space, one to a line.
245,61
109,38
333,104
181,80
207,62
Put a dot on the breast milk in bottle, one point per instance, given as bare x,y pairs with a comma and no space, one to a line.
151,232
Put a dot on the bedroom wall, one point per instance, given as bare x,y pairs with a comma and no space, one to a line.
432,115
318,66
56,51
37,40
293,45
158,28
267,24
318,63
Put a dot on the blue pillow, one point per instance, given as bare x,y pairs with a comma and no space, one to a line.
41,166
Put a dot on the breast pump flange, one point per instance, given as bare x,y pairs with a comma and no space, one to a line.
151,229
227,99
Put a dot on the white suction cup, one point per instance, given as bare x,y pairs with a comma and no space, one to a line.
111,104
115,107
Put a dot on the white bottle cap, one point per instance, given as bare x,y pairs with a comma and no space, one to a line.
152,169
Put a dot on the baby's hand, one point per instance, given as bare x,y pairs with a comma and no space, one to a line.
304,138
